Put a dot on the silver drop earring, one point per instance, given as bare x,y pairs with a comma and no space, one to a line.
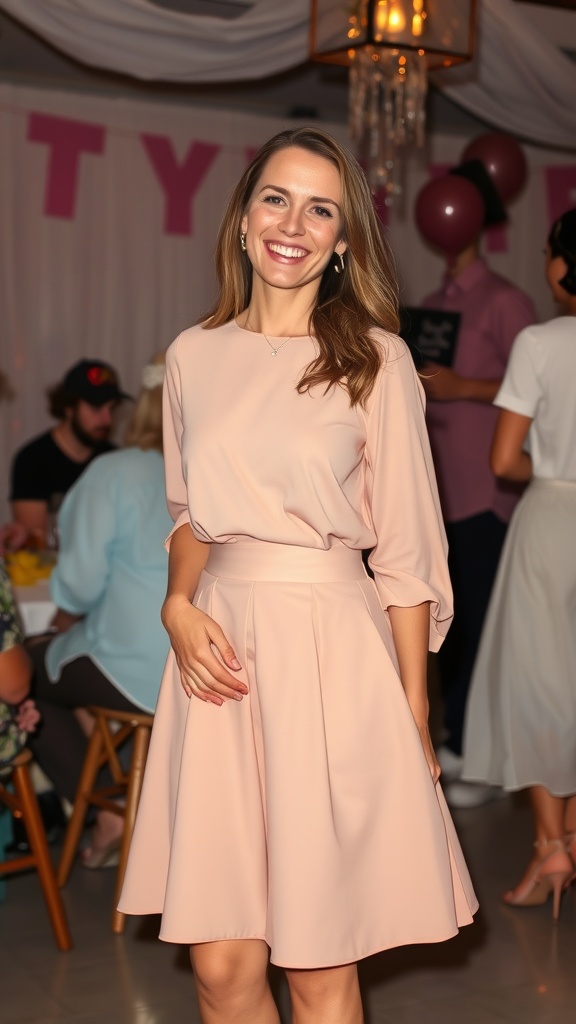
243,241
339,269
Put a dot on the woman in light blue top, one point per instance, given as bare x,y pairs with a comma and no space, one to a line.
109,585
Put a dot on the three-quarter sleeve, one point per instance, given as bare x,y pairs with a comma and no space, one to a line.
173,429
401,496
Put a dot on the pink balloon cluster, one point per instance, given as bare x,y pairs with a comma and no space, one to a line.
449,211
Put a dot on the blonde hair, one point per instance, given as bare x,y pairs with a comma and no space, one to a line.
145,426
364,295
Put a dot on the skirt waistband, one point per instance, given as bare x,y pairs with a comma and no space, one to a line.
284,563
542,481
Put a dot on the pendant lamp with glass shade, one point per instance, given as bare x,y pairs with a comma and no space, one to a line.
390,46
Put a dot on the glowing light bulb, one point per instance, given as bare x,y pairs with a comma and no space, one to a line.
396,18
418,17
380,20
354,30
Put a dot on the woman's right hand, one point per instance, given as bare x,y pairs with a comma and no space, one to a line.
195,638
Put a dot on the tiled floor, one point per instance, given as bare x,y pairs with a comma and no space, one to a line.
511,966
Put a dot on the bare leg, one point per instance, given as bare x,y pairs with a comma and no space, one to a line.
570,816
232,982
548,813
327,996
570,829
550,864
108,828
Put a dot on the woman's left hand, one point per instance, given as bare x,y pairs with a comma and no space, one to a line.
28,715
429,753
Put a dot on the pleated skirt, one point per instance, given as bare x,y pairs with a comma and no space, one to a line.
521,715
304,815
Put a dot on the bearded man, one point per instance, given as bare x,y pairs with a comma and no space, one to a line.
43,470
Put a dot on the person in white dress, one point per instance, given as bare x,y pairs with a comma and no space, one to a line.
521,719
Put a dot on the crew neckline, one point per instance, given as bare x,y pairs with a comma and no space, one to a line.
276,337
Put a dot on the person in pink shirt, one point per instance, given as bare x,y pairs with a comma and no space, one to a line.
476,505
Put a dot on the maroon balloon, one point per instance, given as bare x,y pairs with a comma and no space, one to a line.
504,160
449,213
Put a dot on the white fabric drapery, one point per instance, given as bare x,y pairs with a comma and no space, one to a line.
519,82
522,84
137,38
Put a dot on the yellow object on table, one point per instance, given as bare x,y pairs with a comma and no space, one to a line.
25,568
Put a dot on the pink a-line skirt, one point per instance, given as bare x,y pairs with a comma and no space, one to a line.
304,815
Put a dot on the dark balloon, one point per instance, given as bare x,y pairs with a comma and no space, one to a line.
449,213
504,160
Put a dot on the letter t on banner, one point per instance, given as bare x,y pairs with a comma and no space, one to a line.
67,140
180,182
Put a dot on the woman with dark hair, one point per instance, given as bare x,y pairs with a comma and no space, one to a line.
521,721
290,805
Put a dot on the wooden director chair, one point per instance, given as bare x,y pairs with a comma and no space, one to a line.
111,729
22,803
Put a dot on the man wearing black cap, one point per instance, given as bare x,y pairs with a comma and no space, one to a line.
45,468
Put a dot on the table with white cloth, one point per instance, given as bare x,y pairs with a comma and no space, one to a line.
36,607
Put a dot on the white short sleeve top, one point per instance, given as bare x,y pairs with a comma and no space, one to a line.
540,382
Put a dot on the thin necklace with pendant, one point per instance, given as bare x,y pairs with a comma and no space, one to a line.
275,350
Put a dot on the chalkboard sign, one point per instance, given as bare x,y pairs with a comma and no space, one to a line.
431,334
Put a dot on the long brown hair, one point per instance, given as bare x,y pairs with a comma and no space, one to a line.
364,295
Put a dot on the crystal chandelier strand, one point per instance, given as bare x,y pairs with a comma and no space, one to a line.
390,45
387,110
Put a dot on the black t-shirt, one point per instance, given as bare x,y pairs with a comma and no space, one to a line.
42,472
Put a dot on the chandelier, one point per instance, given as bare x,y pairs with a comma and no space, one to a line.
390,46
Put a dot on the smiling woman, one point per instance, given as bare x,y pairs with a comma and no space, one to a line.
291,732
326,211
291,234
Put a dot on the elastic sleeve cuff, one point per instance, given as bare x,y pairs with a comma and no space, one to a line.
183,518
400,590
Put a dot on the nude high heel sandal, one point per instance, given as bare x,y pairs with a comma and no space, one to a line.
570,843
550,875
